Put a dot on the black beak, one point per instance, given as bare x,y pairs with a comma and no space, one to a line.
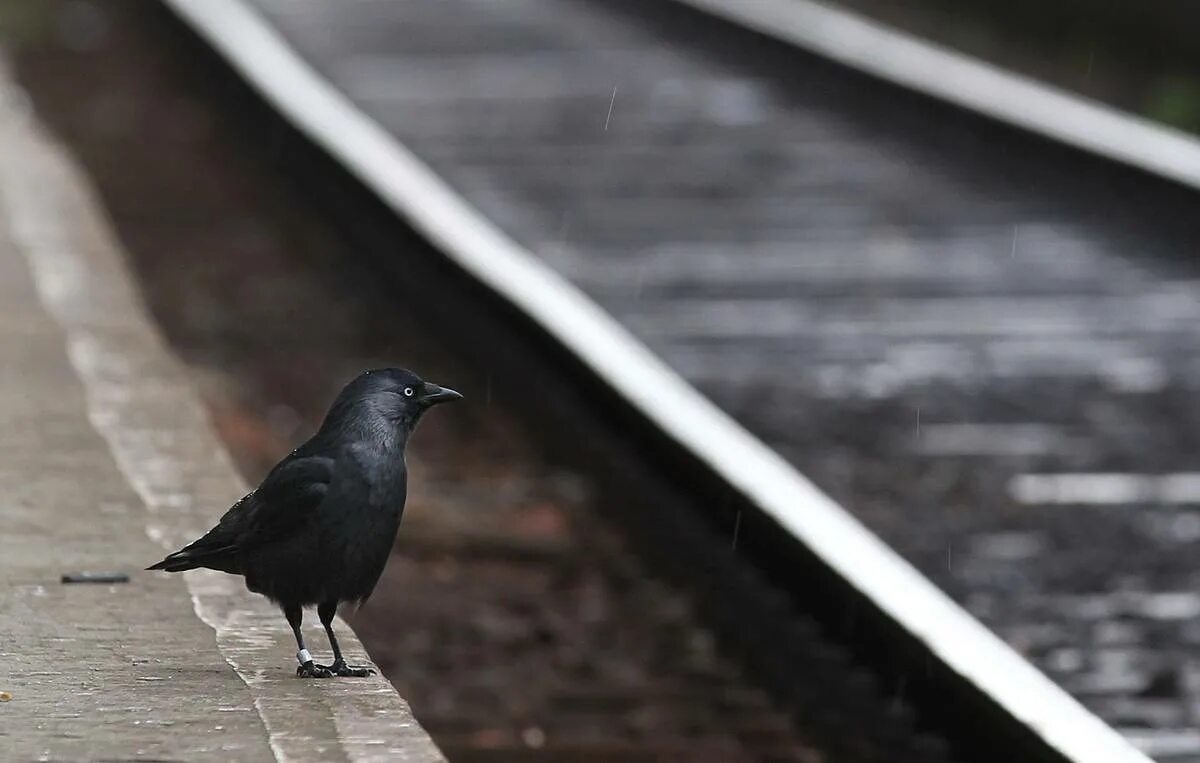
432,394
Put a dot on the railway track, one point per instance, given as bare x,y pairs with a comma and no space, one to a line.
521,621
954,328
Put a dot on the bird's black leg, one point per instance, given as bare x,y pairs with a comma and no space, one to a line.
295,616
339,667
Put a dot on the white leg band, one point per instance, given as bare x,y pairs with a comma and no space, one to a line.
303,656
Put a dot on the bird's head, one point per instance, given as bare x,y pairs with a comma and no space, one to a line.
393,395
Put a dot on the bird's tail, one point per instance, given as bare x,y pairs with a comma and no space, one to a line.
176,562
223,558
217,549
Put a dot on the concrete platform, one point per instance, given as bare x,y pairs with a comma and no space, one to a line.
107,459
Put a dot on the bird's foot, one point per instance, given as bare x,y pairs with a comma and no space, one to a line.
341,669
310,670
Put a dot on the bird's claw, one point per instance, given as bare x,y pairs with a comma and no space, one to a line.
311,670
339,668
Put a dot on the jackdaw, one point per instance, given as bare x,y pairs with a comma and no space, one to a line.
320,527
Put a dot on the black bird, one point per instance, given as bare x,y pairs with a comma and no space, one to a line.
320,527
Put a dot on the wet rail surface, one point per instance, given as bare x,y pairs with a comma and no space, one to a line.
982,345
515,616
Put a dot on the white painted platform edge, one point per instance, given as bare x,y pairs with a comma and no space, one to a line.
919,65
315,106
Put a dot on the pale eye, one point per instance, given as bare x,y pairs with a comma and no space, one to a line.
408,391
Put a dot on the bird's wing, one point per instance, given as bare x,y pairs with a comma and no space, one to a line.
285,500
279,506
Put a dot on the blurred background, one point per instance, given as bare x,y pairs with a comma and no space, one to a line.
1138,59
984,345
